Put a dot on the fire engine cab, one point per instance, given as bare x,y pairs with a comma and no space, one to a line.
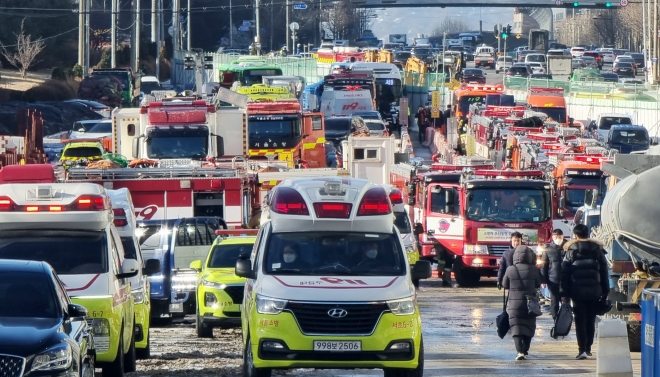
70,226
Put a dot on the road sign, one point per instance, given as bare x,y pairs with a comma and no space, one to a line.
435,104
243,28
294,26
623,3
300,6
558,2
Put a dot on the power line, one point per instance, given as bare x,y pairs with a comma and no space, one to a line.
47,38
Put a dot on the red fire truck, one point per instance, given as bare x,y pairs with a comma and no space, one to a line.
464,215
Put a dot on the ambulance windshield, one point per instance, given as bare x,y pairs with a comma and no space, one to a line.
177,142
69,252
508,204
334,254
225,256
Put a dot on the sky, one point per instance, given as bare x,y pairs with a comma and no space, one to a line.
424,20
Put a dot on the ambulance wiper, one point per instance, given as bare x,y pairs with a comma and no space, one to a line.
292,271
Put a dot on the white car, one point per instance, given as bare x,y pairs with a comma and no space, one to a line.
503,63
578,63
607,56
577,51
376,127
536,67
102,129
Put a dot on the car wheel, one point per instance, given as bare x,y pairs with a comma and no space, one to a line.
144,353
116,367
203,330
130,361
416,372
249,369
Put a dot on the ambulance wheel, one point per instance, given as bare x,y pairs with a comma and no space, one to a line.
401,372
249,369
144,353
116,367
130,359
203,331
416,283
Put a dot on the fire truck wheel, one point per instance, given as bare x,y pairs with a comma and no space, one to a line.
465,276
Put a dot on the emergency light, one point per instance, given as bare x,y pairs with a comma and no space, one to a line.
396,197
288,201
333,210
83,203
236,232
120,217
375,202
584,158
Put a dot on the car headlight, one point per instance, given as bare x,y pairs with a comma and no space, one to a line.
58,357
269,305
138,296
475,249
410,248
211,284
402,307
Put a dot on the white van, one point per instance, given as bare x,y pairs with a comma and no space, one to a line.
328,283
70,226
345,102
537,58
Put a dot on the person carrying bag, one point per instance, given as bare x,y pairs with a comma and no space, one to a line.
522,279
502,320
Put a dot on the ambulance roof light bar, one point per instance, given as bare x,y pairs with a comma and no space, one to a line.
236,232
443,167
82,203
591,158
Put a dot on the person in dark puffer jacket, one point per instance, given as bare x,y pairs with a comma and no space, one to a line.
584,279
521,278
551,268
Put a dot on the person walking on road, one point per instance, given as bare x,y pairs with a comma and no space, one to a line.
507,257
422,122
584,280
551,268
521,278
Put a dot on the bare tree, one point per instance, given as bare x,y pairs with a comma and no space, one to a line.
26,51
450,25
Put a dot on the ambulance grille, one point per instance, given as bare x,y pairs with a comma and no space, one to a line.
11,366
313,318
236,293
498,250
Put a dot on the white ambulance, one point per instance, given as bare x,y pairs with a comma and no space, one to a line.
328,283
70,226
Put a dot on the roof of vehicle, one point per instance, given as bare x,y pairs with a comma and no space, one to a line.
603,115
82,143
625,127
17,265
329,204
235,240
149,79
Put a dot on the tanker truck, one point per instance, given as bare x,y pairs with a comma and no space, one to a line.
631,235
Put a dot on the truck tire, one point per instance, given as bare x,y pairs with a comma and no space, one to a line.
400,372
248,363
635,338
465,276
116,367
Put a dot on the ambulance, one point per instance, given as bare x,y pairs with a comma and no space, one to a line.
328,283
71,227
219,291
124,220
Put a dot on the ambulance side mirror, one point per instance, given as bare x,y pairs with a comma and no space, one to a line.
129,269
196,265
244,269
151,267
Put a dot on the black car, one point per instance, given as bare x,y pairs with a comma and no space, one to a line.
624,69
473,75
609,77
639,59
42,332
596,56
543,76
519,70
337,129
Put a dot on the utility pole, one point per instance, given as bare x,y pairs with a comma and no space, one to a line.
175,24
88,7
231,25
258,26
113,38
287,27
81,33
320,22
188,29
272,8
655,41
498,31
158,34
137,27
154,23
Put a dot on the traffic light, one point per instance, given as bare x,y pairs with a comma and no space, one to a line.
508,29
608,4
504,34
576,4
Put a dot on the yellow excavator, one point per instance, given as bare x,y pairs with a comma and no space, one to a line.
378,56
415,65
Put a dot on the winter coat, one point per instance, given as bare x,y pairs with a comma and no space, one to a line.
584,271
505,261
552,259
521,278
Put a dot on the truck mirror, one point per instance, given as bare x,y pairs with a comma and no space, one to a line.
449,196
412,189
562,201
220,146
136,146
590,197
411,200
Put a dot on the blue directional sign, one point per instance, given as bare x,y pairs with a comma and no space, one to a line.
300,6
243,28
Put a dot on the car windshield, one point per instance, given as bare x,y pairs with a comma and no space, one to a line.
422,51
254,76
149,86
375,126
623,65
465,102
401,56
27,295
558,114
518,70
630,137
335,254
149,238
402,222
577,187
369,115
177,142
535,58
103,127
637,56
225,256
475,72
82,152
508,204
69,252
338,124
607,122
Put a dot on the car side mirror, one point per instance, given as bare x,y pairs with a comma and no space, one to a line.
76,311
422,270
151,267
196,265
81,130
128,269
244,268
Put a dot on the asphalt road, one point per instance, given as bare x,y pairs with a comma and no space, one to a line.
459,332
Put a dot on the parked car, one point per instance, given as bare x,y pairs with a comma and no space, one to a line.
609,77
519,70
376,127
503,62
624,69
474,75
596,56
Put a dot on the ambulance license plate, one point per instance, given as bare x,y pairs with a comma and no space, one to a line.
176,308
338,345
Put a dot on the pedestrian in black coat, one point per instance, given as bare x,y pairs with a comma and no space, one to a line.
584,280
507,257
521,279
551,268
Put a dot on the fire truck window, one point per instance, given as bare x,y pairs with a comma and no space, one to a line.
131,130
438,202
317,123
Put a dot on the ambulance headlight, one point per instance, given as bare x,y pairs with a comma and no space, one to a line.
402,307
100,327
410,248
57,357
211,284
269,305
138,296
